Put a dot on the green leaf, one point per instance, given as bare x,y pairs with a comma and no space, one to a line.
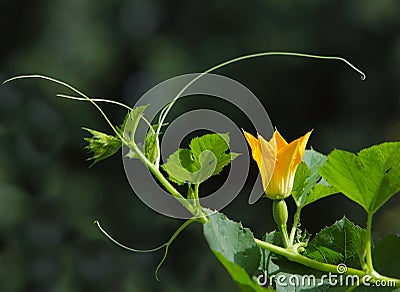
183,168
206,157
308,186
131,122
240,276
235,248
340,243
369,178
386,256
218,144
275,238
151,144
233,241
101,145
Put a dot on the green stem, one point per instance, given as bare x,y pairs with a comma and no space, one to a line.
296,220
296,257
196,190
285,236
196,197
368,245
170,188
292,255
153,167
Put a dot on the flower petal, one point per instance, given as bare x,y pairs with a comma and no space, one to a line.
302,147
255,147
279,140
268,151
285,166
303,142
288,159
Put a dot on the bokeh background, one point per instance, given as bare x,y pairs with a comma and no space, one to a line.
118,49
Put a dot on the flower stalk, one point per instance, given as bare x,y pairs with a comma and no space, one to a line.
368,246
296,221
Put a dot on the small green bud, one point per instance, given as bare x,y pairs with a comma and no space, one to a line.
280,212
101,145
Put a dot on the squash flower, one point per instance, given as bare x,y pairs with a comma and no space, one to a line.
277,161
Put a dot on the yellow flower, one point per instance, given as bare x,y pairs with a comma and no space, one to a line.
277,161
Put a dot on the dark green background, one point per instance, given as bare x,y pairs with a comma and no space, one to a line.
119,49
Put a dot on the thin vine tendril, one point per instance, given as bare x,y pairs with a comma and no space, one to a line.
76,91
95,100
166,245
124,246
168,107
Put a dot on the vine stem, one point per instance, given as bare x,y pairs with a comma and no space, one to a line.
132,145
296,220
174,192
285,237
197,197
292,255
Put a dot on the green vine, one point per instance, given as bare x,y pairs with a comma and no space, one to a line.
369,178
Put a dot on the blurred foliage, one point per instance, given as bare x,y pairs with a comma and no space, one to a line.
119,49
